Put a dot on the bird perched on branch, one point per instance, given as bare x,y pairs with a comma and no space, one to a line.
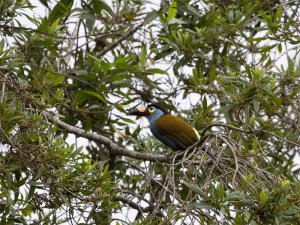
170,130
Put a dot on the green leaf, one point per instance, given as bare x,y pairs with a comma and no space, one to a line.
98,96
234,196
99,5
59,94
255,143
143,56
194,188
155,71
53,79
294,210
177,21
172,11
77,150
252,119
249,93
54,27
198,205
278,14
263,197
267,18
221,191
256,105
150,16
267,48
190,9
90,168
44,2
212,74
279,47
249,178
204,103
285,183
128,120
107,8
273,98
60,10
21,182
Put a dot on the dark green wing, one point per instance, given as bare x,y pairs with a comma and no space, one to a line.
176,129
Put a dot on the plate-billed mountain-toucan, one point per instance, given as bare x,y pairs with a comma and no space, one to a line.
170,130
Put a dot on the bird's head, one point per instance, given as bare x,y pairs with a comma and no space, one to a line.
151,111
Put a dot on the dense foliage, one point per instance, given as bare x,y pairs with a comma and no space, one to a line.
230,67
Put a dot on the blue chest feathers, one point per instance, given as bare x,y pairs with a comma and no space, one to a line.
155,131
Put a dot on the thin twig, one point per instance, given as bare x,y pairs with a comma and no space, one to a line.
135,205
3,87
247,131
232,148
121,39
281,138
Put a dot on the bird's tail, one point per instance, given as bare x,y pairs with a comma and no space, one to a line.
209,153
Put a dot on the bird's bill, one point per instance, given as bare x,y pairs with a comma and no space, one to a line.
141,111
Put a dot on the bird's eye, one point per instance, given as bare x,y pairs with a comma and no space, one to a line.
151,108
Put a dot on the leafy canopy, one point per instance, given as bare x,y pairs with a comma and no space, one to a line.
231,68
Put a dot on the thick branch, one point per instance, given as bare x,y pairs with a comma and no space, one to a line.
114,148
118,150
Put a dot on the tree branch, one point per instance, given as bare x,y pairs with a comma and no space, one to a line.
113,148
246,131
136,206
118,150
120,39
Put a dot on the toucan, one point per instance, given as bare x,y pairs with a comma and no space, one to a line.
170,130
